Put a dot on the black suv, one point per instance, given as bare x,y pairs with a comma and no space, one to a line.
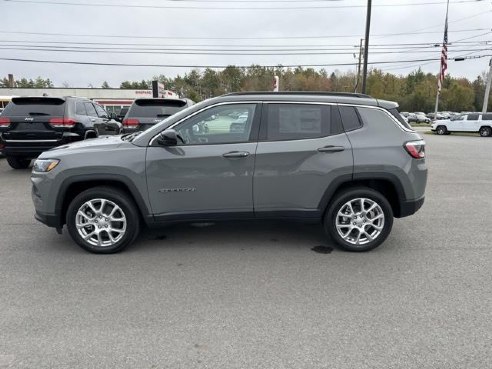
145,113
31,125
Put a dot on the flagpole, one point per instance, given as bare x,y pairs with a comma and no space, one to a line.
439,85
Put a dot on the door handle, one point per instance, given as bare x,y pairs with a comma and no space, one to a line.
236,154
331,148
93,120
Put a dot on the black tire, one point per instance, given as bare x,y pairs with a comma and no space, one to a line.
127,208
485,131
18,163
441,130
339,202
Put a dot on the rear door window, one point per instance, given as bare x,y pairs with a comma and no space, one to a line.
297,122
35,107
473,116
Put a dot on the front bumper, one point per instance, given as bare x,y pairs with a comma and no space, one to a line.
51,220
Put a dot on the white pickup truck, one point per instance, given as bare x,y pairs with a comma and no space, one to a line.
473,122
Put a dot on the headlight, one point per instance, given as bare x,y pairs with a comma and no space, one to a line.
44,165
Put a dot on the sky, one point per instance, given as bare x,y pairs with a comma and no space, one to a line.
172,36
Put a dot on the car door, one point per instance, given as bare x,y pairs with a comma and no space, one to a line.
302,149
471,123
210,173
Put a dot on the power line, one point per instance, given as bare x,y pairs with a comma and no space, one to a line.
140,6
340,47
217,66
235,38
237,52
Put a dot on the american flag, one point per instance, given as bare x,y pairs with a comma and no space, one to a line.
444,57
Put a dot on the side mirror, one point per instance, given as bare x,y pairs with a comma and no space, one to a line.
112,116
168,138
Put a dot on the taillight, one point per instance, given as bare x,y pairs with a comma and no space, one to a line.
62,122
131,123
416,149
4,122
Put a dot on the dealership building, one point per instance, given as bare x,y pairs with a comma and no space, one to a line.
113,99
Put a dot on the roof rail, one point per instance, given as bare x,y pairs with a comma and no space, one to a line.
320,93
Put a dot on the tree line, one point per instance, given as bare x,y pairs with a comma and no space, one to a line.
414,92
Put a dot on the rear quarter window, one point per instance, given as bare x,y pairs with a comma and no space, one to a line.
375,116
487,116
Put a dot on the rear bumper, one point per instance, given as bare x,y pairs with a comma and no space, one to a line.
408,208
33,148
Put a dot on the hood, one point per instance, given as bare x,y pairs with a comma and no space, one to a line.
102,144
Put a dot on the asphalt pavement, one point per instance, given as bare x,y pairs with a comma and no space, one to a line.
255,295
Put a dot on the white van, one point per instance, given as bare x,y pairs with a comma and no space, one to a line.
472,122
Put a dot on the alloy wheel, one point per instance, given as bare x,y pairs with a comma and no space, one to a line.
360,221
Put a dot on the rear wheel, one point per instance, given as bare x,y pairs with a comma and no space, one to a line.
485,131
18,162
441,130
103,220
359,219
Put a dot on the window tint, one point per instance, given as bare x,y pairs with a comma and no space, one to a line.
90,109
80,108
297,121
30,106
472,117
100,111
487,116
350,118
374,116
218,125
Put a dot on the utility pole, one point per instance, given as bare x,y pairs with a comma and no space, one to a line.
487,89
358,67
366,45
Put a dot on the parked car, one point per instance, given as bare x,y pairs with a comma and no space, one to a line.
145,113
121,115
439,116
31,125
347,161
421,117
474,122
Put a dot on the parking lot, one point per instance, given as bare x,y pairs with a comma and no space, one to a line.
254,295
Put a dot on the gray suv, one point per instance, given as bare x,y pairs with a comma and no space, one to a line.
347,161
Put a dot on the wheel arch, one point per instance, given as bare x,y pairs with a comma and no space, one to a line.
73,186
386,184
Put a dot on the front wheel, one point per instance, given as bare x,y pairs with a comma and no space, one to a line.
359,219
18,163
485,131
441,130
103,220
